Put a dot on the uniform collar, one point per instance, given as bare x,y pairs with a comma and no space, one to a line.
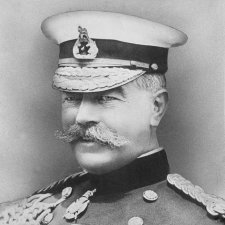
144,171
151,152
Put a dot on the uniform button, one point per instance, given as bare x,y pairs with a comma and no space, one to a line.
154,66
150,196
67,192
135,221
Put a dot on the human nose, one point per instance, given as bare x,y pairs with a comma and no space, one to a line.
87,112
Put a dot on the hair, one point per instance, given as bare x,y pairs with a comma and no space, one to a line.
151,82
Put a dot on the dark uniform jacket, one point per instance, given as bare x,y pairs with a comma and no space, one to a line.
139,193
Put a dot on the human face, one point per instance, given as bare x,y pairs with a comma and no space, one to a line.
127,110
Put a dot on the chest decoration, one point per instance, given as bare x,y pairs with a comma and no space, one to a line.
215,206
33,210
78,206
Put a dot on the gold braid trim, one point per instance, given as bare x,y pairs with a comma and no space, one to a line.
93,79
29,211
32,210
61,183
215,206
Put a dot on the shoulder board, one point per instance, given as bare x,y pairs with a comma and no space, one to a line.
214,205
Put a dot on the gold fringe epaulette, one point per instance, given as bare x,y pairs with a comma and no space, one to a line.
215,206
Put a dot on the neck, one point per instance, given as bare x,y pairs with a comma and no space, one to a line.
141,172
152,143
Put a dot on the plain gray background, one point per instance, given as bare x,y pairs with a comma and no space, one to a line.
192,131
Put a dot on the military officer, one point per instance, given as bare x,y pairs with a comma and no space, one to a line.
112,78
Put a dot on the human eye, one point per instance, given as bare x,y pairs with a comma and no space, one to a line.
72,99
107,99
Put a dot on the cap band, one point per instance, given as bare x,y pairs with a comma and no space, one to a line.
118,50
101,62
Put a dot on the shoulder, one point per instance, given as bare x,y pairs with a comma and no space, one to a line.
212,205
181,202
34,208
176,203
57,186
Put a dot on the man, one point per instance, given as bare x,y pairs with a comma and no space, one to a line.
112,78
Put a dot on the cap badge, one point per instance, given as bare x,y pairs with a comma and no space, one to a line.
84,47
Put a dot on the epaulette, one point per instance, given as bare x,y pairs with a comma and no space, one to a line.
32,210
214,205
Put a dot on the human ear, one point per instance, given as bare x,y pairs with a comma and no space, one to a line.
160,101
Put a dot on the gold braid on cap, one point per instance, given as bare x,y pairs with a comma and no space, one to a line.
93,79
215,206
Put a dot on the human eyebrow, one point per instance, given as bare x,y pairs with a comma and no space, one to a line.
72,93
118,90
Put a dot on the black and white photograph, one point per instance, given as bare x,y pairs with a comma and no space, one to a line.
112,112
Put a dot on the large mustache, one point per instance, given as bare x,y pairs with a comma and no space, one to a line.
99,133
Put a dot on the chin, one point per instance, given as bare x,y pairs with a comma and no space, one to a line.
99,159
96,163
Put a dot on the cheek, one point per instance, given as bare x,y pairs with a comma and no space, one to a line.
131,120
68,116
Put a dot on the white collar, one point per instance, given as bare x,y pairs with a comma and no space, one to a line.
151,152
